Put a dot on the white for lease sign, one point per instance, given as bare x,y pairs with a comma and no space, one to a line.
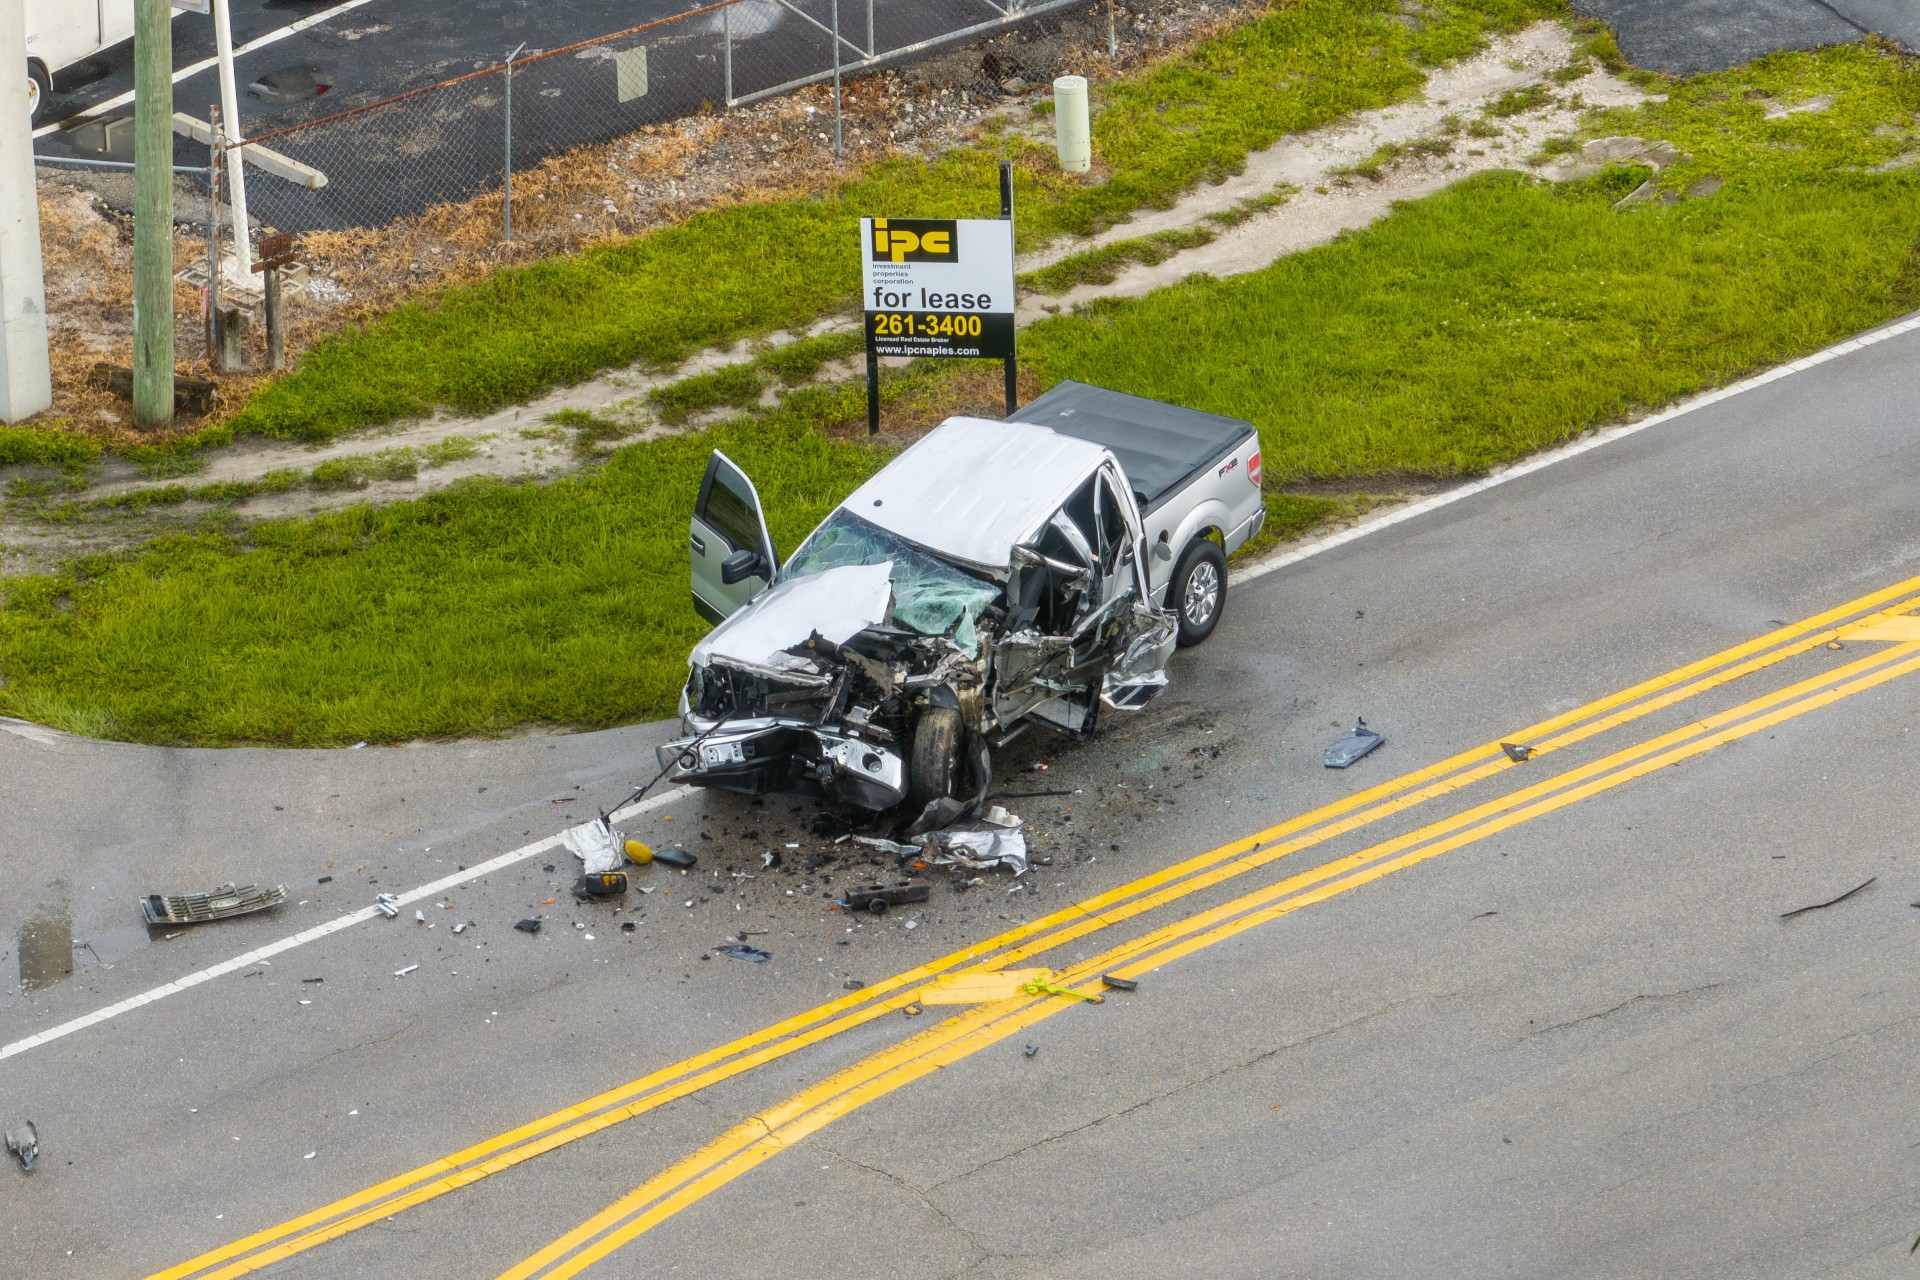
937,286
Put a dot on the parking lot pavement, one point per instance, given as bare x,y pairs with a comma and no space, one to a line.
1689,36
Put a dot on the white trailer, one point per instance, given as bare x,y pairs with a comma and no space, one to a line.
63,32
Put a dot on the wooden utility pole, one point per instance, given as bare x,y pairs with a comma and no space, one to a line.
152,213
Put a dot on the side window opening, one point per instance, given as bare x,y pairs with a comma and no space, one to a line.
729,510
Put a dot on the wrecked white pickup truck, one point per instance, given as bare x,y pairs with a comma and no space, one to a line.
995,575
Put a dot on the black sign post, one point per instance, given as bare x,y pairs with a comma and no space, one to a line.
1013,355
938,287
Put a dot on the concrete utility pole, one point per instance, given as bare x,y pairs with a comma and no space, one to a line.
152,213
26,383
230,112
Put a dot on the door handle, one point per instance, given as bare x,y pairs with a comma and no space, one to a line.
699,547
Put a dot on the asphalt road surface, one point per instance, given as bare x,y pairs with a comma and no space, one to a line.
1689,36
1442,1014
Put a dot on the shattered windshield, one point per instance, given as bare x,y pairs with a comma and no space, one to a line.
930,596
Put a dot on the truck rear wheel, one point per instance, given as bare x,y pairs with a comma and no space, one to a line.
1198,590
39,89
933,772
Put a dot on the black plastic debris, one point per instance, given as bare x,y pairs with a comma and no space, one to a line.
674,856
324,880
877,900
1516,752
24,1143
741,951
1032,1048
527,926
601,884
628,927
1118,983
1352,745
198,908
1788,915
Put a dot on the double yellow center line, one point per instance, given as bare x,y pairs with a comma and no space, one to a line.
1879,616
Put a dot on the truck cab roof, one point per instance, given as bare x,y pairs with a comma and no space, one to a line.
972,489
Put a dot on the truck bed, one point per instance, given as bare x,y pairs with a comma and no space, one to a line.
1161,446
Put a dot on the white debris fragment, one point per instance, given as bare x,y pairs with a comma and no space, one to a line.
401,973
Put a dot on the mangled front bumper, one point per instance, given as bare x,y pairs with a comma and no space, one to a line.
788,757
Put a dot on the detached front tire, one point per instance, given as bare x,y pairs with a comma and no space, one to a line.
1198,590
934,770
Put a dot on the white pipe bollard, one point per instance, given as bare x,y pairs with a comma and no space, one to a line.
1072,138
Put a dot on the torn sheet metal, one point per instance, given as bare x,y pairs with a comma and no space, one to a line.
978,850
980,986
836,603
597,847
24,1143
199,908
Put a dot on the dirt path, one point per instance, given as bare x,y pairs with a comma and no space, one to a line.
1490,111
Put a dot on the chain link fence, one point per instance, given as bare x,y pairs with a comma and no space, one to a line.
466,137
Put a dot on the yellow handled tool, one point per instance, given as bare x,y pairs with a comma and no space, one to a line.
1040,988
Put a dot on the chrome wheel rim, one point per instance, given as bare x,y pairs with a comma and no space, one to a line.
1202,595
33,97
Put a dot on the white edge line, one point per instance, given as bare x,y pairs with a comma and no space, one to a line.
319,931
1541,461
194,69
1260,570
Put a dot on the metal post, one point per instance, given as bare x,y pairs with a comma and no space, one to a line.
216,139
276,324
26,380
506,208
870,45
1013,359
726,48
873,391
1113,39
236,171
837,151
152,213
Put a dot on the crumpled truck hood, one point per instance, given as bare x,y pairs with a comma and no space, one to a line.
839,603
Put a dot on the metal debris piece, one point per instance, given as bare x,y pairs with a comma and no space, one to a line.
527,926
877,899
401,973
1787,915
389,905
463,926
741,951
24,1143
419,916
674,856
198,908
1516,752
1351,745
1118,983
769,860
1032,1048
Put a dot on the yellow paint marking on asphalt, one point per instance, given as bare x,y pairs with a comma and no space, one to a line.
1337,818
1897,630
750,1143
981,986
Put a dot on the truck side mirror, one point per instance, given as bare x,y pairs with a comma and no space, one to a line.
742,565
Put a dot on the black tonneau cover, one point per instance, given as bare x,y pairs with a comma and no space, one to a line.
1160,445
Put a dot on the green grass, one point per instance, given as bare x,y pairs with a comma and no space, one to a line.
748,270
735,385
476,609
1103,265
1461,332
